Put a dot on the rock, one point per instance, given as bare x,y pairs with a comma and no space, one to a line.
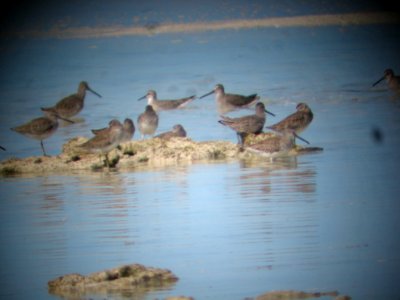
179,298
294,295
136,154
132,280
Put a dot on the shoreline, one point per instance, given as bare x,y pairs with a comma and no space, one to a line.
86,32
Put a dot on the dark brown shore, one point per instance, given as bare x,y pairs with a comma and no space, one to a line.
141,154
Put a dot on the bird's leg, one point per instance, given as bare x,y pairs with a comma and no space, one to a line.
300,138
41,144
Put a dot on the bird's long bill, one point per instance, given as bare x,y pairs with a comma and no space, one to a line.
141,98
207,94
270,113
300,138
64,119
378,81
94,92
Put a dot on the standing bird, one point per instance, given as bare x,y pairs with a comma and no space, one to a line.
177,131
229,102
392,80
247,124
41,128
159,105
148,121
128,129
296,122
105,139
72,104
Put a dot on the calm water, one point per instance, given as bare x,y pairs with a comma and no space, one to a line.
320,222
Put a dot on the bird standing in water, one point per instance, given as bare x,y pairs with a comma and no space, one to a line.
392,80
159,105
230,102
72,104
41,128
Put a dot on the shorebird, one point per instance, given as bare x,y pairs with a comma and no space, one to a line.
229,102
278,143
147,121
159,105
72,104
128,129
295,122
41,128
247,124
105,139
177,131
392,80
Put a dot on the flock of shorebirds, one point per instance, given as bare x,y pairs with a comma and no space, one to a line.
106,139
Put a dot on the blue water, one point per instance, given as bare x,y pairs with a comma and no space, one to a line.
318,222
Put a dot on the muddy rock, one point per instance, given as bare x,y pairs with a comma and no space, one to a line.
138,154
294,295
128,280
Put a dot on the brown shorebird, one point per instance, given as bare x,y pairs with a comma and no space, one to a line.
229,102
105,139
295,122
392,80
177,131
72,104
148,121
278,143
41,128
247,124
128,130
159,105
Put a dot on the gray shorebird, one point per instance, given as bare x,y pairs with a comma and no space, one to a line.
177,131
159,105
128,130
296,122
72,104
105,140
247,124
392,80
147,121
229,102
41,128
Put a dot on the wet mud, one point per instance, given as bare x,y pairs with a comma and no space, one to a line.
147,153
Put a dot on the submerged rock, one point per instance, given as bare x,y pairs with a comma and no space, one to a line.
128,280
294,295
152,152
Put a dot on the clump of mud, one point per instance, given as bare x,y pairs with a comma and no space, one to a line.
128,280
152,152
